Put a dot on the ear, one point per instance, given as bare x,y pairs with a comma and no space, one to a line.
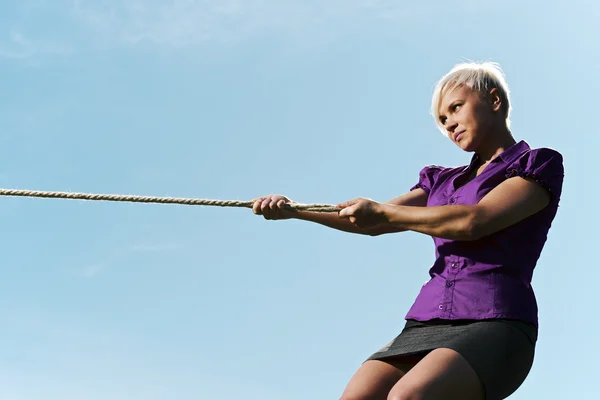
495,99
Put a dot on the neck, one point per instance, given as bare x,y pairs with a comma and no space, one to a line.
499,140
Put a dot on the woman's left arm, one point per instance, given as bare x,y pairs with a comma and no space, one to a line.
510,202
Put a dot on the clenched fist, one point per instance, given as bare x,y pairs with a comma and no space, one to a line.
364,213
271,207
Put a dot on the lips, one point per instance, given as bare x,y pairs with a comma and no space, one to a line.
458,136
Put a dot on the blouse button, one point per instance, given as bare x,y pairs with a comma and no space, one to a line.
452,200
449,284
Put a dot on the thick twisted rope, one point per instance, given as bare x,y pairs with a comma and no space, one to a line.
160,200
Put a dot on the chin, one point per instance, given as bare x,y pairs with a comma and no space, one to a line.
466,145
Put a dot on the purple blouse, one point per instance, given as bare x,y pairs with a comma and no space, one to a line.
489,277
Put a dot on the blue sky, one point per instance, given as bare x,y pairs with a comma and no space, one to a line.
232,99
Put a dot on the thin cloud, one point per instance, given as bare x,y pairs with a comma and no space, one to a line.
177,23
93,24
155,247
118,257
180,23
90,271
20,47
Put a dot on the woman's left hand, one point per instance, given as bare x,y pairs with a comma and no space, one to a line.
364,213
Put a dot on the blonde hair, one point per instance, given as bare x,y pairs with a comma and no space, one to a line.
479,76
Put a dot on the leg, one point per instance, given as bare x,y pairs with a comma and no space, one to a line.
374,379
442,374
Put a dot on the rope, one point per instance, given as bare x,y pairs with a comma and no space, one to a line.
160,200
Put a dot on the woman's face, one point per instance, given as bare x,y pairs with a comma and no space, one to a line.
468,117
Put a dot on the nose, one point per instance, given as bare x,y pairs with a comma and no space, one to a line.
450,125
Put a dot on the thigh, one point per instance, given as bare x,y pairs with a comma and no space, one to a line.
375,378
442,374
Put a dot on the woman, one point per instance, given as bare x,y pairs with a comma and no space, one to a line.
472,330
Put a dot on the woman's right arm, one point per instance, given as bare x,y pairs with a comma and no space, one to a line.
271,207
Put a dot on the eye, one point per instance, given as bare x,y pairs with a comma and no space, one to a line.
456,107
442,120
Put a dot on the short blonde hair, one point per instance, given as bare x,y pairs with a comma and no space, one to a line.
479,76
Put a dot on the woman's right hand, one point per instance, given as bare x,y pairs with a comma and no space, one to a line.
271,207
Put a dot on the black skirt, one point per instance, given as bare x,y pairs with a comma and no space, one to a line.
500,351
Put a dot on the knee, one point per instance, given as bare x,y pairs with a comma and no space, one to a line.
406,392
361,395
356,396
352,397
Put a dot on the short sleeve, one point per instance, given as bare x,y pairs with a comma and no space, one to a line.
545,166
427,178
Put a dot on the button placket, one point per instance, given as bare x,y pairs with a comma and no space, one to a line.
454,264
